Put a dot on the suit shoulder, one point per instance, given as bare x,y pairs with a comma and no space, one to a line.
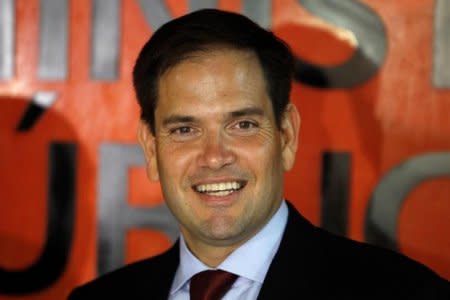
347,251
128,279
374,264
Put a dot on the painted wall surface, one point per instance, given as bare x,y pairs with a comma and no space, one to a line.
372,85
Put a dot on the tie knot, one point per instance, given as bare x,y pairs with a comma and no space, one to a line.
211,284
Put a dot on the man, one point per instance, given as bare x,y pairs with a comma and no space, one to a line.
218,131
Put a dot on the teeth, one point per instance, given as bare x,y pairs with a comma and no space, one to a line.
220,193
218,189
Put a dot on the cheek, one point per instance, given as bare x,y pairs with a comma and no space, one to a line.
174,160
262,156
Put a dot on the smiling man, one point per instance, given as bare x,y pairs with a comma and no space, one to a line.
218,132
218,151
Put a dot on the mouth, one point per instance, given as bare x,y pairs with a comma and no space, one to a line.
219,189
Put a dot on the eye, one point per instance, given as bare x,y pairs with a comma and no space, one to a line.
246,124
183,133
181,130
244,127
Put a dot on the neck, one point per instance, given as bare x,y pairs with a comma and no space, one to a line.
211,252
210,255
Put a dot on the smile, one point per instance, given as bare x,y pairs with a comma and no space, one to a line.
219,189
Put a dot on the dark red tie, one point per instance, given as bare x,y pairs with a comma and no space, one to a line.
211,284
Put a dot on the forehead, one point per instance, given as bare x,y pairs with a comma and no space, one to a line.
212,87
213,75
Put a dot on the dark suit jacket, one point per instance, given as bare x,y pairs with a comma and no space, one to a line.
310,264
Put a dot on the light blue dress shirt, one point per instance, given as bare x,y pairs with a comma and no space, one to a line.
250,262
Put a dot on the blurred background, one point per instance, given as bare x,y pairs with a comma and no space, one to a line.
372,84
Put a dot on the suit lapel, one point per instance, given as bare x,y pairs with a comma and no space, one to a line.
158,284
295,269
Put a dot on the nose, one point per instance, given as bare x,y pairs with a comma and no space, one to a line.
216,152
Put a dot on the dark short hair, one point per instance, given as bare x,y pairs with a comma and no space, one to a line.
205,30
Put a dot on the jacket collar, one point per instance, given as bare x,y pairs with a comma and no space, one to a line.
166,265
297,263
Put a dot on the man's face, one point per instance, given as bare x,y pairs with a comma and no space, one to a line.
217,151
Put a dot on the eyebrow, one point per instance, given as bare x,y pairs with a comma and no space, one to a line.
175,119
250,111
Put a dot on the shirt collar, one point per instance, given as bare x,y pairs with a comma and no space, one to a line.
251,260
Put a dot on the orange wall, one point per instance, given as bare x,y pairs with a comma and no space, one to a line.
392,117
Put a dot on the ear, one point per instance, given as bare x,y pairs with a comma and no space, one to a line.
147,141
290,127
